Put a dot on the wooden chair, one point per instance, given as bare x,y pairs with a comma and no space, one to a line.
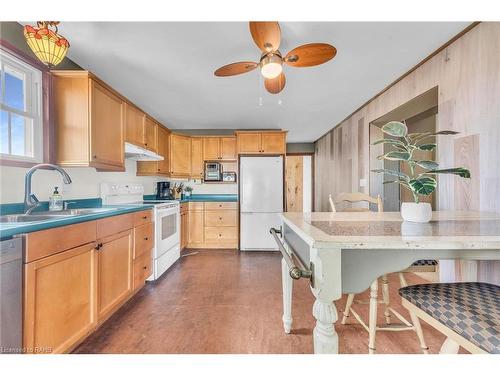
372,327
468,313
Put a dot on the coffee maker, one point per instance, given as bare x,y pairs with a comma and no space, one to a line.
163,190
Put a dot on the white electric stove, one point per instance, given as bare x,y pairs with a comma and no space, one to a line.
166,219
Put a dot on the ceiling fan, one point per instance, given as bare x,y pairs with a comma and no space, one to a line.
267,36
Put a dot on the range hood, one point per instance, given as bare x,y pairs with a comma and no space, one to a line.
134,152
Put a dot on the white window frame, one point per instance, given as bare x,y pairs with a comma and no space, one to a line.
33,92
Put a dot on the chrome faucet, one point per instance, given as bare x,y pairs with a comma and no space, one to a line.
30,200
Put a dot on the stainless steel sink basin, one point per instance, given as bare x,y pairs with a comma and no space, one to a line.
23,218
77,211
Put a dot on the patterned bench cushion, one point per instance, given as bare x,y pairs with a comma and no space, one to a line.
425,262
470,309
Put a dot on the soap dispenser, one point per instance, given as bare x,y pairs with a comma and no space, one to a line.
56,201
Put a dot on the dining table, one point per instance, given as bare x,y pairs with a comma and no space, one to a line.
344,252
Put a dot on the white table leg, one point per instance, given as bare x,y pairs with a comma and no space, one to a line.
287,296
325,338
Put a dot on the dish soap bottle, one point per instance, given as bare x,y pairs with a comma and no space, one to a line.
55,201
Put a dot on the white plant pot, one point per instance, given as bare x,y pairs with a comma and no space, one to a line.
416,212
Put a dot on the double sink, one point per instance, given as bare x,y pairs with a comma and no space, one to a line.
47,215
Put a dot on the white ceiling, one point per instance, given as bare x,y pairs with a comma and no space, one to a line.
166,68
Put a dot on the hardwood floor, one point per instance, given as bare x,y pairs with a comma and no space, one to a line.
223,301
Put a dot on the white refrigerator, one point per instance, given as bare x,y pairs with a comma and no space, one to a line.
261,201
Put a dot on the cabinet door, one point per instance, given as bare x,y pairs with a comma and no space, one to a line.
106,128
150,135
228,148
60,299
274,143
180,155
114,271
196,227
197,157
248,143
163,150
211,148
134,128
184,229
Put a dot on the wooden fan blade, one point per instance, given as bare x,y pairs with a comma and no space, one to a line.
267,35
235,68
310,55
275,85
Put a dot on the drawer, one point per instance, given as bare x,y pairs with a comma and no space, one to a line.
143,239
196,206
142,269
221,218
224,234
114,224
184,207
221,205
51,241
142,217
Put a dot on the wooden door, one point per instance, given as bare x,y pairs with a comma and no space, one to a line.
134,125
197,157
228,148
273,143
294,172
163,150
249,143
196,227
150,135
180,155
211,148
114,271
106,128
60,299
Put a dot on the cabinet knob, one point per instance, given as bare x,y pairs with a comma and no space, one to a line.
144,217
94,156
145,267
146,238
220,218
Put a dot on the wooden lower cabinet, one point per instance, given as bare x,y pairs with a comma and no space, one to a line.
114,271
213,225
60,303
69,292
184,228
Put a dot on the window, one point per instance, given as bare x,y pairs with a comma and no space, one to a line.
21,125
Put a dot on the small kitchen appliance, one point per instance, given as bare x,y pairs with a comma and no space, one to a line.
163,190
213,171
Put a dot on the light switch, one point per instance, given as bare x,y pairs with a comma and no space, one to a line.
362,182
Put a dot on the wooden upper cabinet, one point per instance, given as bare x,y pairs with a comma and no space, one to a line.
268,142
219,148
106,145
228,148
273,142
197,157
248,143
211,148
150,134
163,150
134,125
89,120
59,299
180,155
114,271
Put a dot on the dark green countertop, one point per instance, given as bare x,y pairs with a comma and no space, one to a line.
8,230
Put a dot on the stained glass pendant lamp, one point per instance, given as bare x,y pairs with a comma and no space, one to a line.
46,44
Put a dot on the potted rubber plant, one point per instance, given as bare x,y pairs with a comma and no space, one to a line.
419,183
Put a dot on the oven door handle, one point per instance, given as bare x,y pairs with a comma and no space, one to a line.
296,272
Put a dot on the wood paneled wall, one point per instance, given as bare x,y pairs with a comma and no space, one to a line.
467,74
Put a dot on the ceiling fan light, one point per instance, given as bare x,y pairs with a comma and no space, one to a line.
271,66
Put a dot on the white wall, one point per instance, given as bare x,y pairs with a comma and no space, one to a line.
86,183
